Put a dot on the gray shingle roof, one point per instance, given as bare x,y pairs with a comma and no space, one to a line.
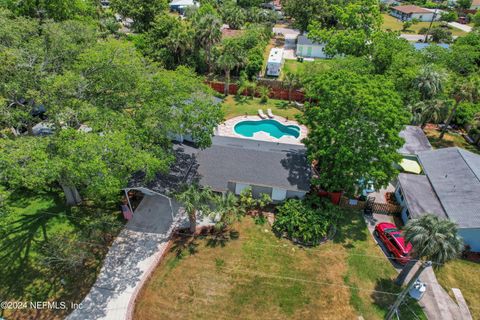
454,174
419,195
304,40
415,140
253,162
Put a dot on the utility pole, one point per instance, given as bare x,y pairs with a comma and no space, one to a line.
394,309
430,26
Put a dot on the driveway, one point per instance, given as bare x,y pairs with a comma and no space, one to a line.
131,258
436,303
286,31
460,26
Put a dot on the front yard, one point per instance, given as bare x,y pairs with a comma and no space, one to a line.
464,275
234,107
255,275
391,23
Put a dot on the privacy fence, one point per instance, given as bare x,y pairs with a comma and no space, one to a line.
277,90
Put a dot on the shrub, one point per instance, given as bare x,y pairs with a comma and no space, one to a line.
465,113
305,221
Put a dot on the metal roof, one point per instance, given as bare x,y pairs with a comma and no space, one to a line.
276,55
454,174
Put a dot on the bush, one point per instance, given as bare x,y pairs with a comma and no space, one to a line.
449,16
306,221
465,113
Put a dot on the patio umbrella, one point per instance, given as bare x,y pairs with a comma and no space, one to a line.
410,166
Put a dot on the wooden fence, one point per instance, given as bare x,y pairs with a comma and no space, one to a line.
276,91
380,208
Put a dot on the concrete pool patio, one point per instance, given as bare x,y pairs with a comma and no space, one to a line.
227,129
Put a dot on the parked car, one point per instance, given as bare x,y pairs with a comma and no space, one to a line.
394,241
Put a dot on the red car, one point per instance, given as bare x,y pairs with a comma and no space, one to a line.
393,239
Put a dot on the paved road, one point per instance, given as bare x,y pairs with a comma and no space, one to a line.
460,26
131,258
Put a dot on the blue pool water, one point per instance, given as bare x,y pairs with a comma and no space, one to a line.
248,128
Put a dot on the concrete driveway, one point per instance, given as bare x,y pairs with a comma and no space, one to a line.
131,258
460,26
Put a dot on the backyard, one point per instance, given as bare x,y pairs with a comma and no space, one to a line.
255,275
297,67
234,107
451,139
391,23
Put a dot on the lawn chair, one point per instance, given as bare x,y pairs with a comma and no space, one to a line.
261,114
269,113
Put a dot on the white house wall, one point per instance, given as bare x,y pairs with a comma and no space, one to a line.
317,51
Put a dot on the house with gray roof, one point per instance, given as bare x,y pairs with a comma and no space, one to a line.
232,164
449,188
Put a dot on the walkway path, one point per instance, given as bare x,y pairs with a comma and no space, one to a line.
131,258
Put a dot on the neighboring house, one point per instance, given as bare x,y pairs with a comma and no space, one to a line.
475,5
233,164
410,12
309,49
275,61
449,188
181,5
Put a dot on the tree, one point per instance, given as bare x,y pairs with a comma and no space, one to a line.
441,35
464,90
429,111
429,82
306,11
476,19
433,239
291,81
464,4
231,55
350,28
52,9
227,206
195,200
451,16
142,12
233,15
207,28
353,129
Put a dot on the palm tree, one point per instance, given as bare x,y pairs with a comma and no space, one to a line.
464,90
291,81
429,82
231,56
195,199
429,111
208,34
432,239
227,206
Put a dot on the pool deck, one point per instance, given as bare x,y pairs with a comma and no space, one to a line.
227,129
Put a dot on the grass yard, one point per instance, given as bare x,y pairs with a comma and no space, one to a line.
245,105
255,275
464,275
296,67
394,24
450,139
35,219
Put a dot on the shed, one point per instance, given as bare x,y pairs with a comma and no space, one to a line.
310,49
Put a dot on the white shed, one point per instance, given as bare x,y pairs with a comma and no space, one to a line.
275,61
308,49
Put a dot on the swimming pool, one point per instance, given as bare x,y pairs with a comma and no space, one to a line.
274,128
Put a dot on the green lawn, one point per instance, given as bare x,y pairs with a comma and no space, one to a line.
255,275
394,24
233,107
35,219
464,275
296,67
450,139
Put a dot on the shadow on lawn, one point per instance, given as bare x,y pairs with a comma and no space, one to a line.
351,227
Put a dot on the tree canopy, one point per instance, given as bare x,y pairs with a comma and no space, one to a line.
353,129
